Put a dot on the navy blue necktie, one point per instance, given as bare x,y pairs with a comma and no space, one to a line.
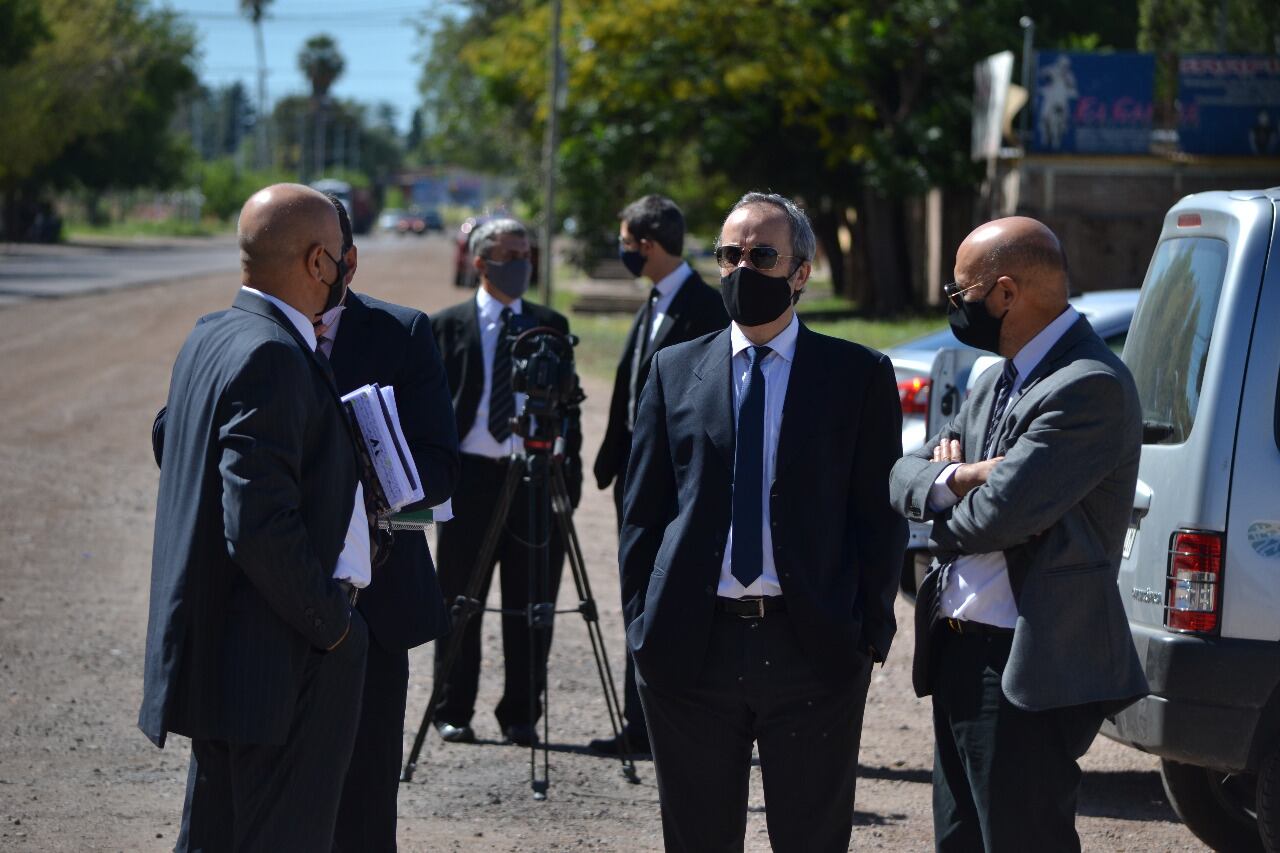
1003,388
746,561
502,401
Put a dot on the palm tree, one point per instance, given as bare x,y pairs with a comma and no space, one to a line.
254,10
320,60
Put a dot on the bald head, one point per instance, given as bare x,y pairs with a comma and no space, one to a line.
1022,248
279,226
1017,269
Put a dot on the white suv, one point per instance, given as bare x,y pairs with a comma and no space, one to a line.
1200,572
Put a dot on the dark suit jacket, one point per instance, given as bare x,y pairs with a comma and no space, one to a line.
254,503
457,330
696,310
837,543
392,345
1057,506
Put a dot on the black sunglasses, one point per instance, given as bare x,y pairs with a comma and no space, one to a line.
762,257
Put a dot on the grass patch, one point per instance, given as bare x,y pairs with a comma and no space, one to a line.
168,228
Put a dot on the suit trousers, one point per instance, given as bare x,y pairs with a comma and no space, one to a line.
367,811
479,486
1004,779
281,797
632,709
757,686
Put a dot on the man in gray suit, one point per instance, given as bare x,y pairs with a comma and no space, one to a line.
1021,637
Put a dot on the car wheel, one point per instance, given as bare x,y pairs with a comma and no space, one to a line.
1217,807
1269,801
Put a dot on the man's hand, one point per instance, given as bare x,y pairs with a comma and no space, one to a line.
968,476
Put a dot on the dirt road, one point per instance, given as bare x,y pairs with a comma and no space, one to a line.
83,379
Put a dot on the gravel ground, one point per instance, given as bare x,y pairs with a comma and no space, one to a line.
77,502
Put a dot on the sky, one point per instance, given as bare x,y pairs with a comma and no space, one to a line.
376,38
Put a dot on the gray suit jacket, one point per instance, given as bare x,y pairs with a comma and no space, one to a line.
1057,506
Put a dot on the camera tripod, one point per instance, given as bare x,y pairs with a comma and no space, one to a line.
541,469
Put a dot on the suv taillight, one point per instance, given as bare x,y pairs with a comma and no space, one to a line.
1193,588
914,395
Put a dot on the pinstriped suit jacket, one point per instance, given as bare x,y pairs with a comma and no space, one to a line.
255,497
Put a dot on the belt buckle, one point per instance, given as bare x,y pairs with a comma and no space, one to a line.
954,625
759,614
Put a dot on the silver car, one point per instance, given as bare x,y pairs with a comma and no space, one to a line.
1200,570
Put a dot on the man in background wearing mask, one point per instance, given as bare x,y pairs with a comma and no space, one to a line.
680,307
1021,636
759,552
367,341
474,342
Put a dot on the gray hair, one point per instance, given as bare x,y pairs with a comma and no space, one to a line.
803,243
485,236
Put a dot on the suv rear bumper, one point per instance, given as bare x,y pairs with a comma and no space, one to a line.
1210,703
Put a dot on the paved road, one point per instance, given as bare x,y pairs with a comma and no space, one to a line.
47,272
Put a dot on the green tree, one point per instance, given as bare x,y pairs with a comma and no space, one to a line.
857,105
91,105
22,27
320,60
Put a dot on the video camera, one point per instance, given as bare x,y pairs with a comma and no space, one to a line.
542,368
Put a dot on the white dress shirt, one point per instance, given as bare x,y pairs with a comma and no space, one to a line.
354,562
776,368
978,587
667,289
478,440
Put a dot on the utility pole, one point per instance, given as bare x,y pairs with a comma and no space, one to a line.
1028,55
550,142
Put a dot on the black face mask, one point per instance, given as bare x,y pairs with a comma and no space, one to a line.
753,298
338,287
973,324
632,260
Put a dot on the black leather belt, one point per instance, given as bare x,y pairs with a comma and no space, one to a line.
751,608
977,629
350,590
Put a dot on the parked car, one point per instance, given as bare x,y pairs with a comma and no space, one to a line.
419,221
1200,572
935,373
389,219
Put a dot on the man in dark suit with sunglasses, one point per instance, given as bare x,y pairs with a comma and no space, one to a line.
680,307
759,551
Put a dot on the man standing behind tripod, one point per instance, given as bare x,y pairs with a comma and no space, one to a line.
680,307
477,358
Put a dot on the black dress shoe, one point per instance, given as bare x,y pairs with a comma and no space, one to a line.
450,733
639,744
521,734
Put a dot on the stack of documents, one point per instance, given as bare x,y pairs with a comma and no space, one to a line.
390,474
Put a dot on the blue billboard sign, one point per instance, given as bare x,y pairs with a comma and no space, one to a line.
1229,104
1093,103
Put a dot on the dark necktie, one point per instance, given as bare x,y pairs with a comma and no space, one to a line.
746,561
1003,388
502,402
641,349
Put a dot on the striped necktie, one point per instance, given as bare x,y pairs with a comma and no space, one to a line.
502,401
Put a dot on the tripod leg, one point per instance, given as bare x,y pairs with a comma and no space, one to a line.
468,606
562,507
539,616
